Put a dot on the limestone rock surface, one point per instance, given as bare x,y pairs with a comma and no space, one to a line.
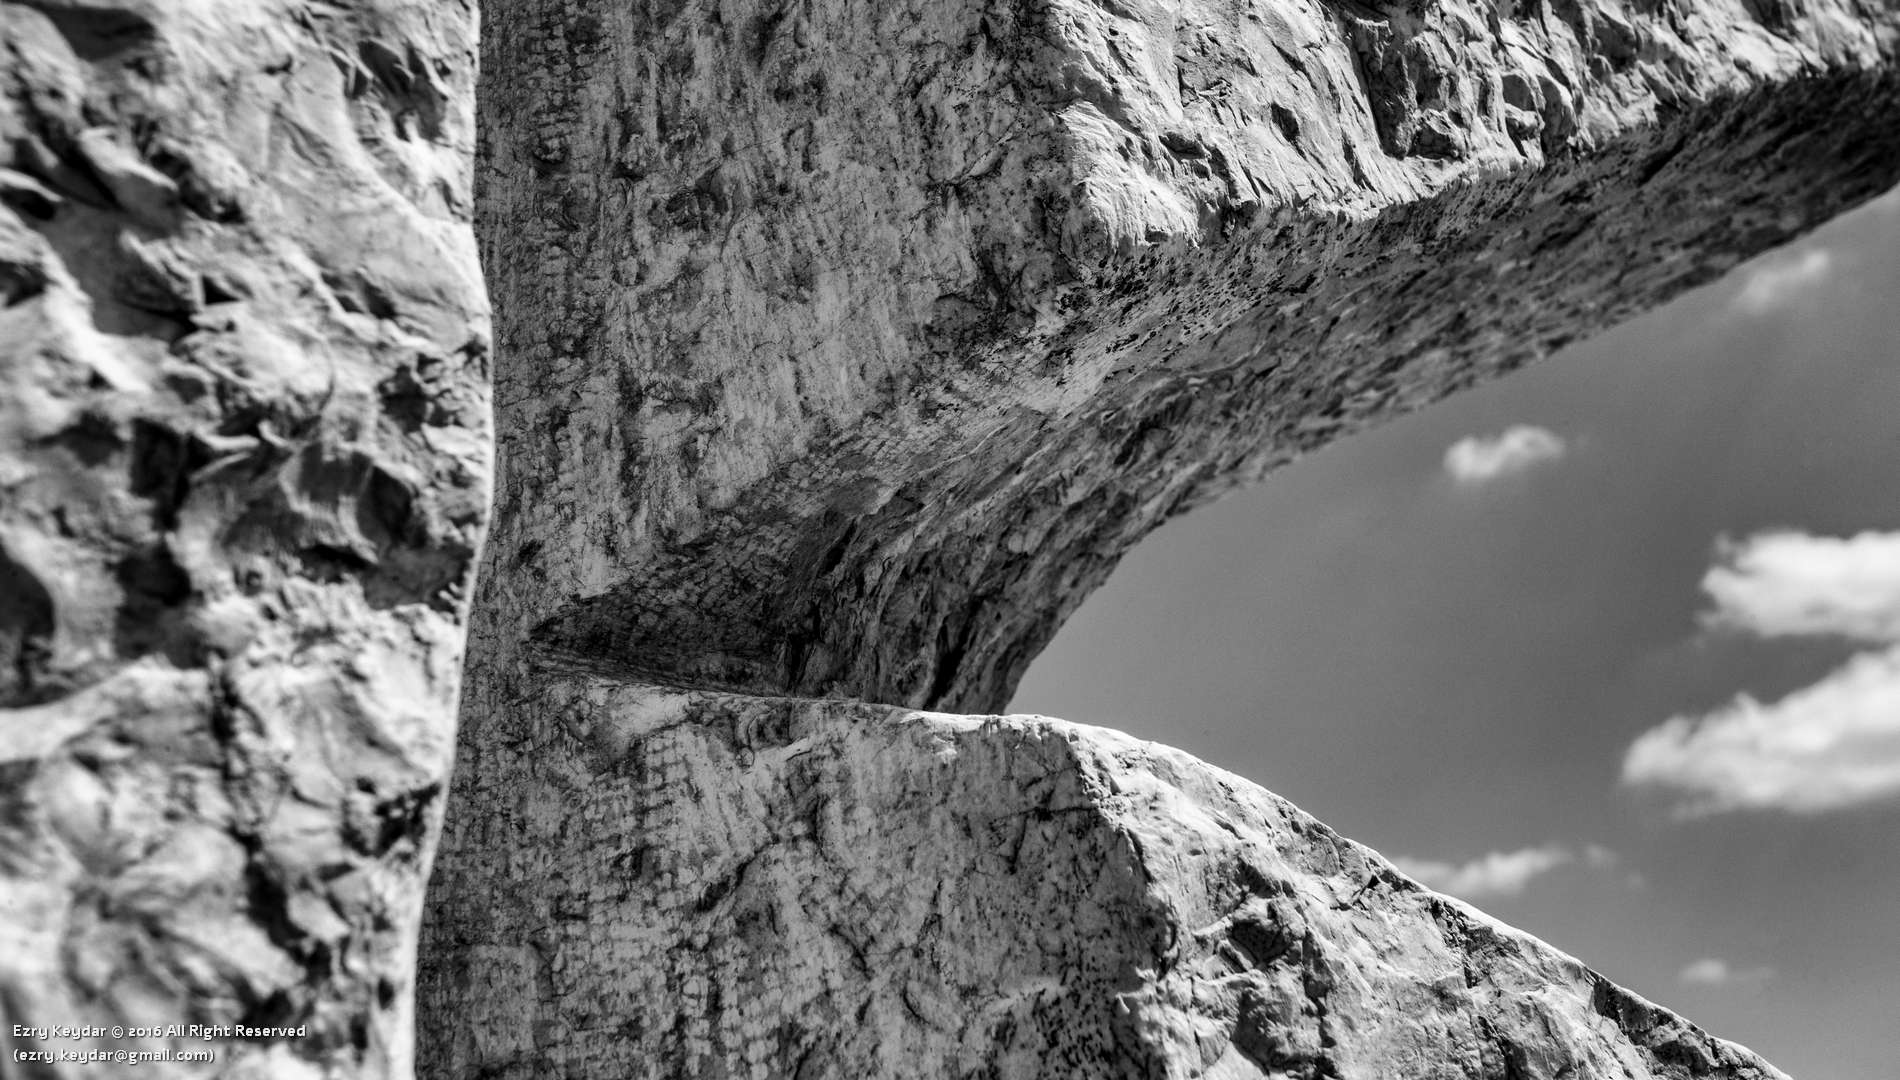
844,346
778,888
842,349
244,462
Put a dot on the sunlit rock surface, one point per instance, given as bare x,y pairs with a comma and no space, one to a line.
244,445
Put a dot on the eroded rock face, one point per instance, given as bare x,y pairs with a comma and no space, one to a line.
764,888
843,348
244,452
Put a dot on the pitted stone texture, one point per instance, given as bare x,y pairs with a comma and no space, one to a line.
776,888
244,452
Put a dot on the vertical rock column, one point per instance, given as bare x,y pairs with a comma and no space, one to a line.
244,456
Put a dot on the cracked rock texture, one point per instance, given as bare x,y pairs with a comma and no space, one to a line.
843,347
771,887
244,456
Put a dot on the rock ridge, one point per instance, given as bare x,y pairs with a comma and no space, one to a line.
774,887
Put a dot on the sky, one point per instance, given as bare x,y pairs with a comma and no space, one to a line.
1609,647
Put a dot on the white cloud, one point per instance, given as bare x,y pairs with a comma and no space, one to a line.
1830,745
1500,873
1710,971
1478,459
1827,746
1785,583
1779,280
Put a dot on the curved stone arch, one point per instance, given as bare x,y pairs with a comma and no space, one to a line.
845,347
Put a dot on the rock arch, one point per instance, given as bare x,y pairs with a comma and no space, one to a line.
841,349
844,348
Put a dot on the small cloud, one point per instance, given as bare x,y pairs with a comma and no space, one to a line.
1773,284
1827,746
1710,971
1598,857
1500,873
1478,459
